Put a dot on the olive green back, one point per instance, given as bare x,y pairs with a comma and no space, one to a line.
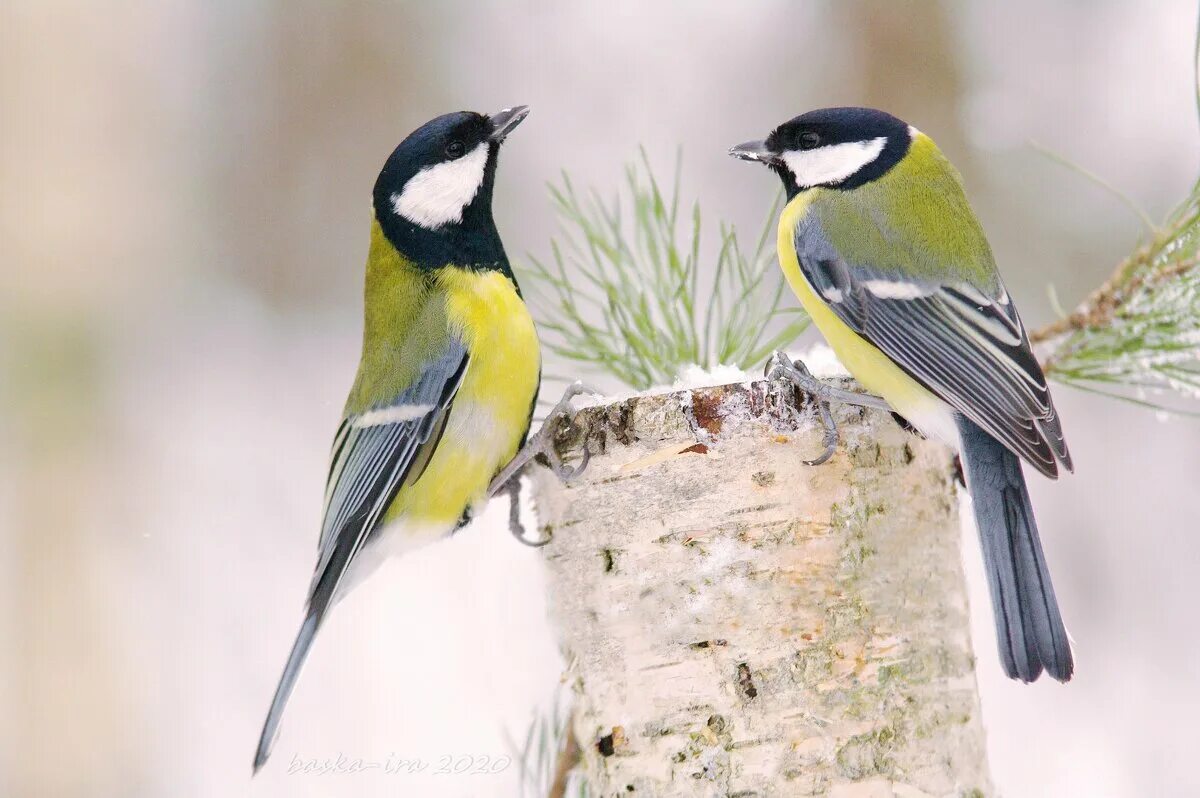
914,222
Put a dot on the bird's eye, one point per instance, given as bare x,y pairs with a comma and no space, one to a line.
809,140
455,150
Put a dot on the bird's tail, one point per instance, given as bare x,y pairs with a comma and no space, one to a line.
1029,627
327,587
291,671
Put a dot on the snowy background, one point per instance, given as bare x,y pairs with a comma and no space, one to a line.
184,196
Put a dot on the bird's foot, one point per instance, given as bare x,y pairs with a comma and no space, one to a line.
541,443
543,440
780,368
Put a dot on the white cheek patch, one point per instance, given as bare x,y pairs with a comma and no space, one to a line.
831,164
438,194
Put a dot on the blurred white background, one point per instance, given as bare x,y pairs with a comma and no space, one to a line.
185,205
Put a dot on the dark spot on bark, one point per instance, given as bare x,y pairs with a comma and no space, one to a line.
707,409
763,478
758,508
610,562
959,476
618,478
605,745
908,454
701,644
745,682
629,788
717,724
865,453
696,448
620,422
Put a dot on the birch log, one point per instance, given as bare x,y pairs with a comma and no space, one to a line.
737,623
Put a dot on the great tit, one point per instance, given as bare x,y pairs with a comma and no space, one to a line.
879,243
449,372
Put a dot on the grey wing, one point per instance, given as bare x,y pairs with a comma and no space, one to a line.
965,345
373,454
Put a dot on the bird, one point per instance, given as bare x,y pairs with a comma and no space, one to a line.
449,371
882,248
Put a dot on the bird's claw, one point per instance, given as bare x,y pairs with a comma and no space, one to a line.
781,368
540,443
831,435
563,471
543,439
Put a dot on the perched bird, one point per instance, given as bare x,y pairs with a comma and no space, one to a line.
449,373
879,243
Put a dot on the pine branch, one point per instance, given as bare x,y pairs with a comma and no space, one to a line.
628,294
1137,336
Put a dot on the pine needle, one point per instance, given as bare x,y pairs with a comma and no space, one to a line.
1120,195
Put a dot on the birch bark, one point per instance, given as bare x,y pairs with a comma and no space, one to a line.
737,623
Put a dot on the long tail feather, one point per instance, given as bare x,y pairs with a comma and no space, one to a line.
1029,626
326,588
284,691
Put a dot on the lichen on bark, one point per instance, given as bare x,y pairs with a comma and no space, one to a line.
738,623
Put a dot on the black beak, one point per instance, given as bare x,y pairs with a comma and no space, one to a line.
504,121
754,151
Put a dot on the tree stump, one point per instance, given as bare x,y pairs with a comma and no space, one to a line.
739,623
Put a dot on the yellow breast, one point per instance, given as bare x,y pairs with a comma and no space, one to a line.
490,412
488,315
871,367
